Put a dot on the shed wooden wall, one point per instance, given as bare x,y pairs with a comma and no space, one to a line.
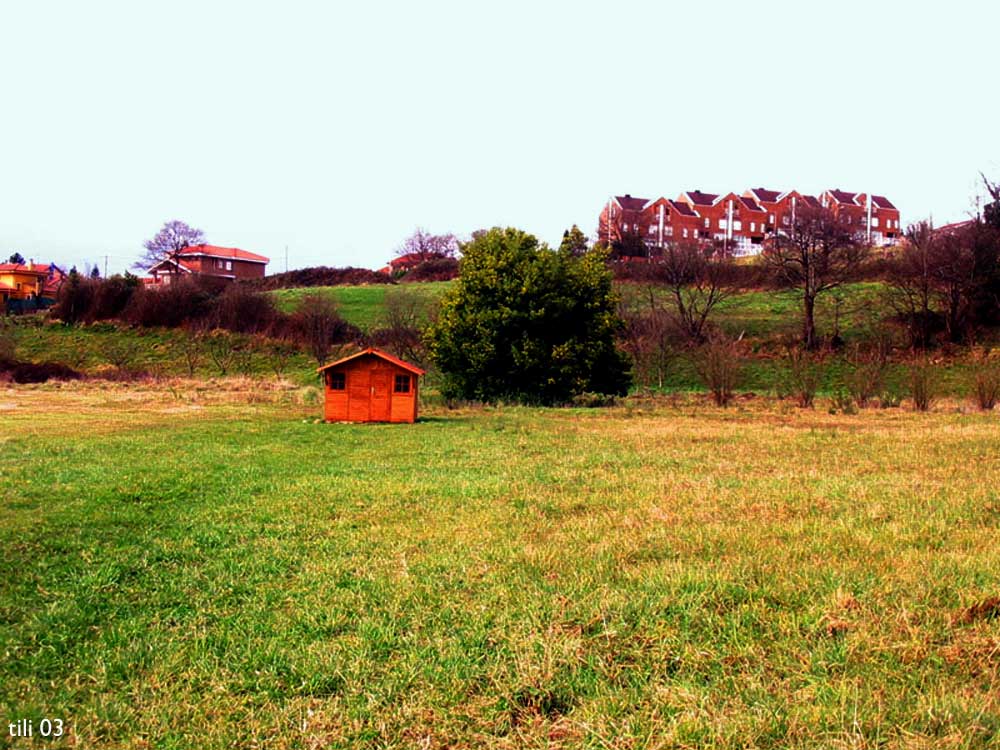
368,394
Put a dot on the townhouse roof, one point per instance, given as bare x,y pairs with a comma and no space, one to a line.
701,199
214,251
842,196
750,204
763,194
682,208
882,202
812,200
629,203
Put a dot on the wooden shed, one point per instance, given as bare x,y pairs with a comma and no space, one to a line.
370,386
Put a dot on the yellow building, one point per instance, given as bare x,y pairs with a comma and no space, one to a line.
21,281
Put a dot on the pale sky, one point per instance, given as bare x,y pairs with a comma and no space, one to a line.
335,129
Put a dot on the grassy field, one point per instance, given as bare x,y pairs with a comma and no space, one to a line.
199,567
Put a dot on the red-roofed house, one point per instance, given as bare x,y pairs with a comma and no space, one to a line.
742,221
622,216
209,260
21,281
874,215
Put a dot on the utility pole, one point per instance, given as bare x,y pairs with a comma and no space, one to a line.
105,266
286,258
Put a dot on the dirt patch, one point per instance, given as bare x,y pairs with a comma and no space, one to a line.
987,609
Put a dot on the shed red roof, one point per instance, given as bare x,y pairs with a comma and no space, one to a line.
377,353
223,252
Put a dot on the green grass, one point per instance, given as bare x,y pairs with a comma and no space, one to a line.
360,305
200,571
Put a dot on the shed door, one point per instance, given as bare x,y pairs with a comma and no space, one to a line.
381,393
358,389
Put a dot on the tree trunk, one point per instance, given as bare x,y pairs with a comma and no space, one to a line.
808,321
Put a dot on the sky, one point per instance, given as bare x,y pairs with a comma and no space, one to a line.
334,129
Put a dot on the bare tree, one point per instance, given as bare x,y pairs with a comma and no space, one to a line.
423,246
166,244
647,335
912,283
698,278
820,253
405,316
317,324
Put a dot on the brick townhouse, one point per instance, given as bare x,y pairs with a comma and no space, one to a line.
744,220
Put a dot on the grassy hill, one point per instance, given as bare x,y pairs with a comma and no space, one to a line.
360,305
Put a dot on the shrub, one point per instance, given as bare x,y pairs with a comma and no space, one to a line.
121,351
74,300
31,372
889,398
867,366
8,344
842,402
317,326
435,269
922,386
987,384
647,337
525,323
171,305
242,310
110,297
319,276
402,324
804,375
718,364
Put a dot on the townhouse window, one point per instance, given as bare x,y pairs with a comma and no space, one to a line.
784,221
229,265
708,222
685,233
753,226
874,221
670,231
402,384
772,218
722,223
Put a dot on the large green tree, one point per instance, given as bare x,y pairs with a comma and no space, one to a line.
527,323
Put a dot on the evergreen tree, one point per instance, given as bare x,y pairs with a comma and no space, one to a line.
574,241
526,323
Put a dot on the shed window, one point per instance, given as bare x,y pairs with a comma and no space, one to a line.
402,384
336,381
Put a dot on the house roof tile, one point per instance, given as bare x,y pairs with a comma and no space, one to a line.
223,252
629,203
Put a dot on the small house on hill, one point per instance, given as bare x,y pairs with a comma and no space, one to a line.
370,386
228,263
